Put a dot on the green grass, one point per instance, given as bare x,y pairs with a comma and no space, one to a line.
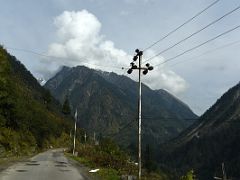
108,174
9,160
82,160
103,173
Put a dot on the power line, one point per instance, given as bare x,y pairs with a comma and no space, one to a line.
208,52
146,118
193,58
27,51
169,118
128,125
47,56
233,121
122,129
55,57
186,22
195,33
122,78
196,47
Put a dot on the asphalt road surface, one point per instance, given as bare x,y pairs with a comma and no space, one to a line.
50,165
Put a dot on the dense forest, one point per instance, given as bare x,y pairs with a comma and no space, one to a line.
29,115
208,143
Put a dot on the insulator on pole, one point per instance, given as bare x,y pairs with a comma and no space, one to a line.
134,67
129,71
145,71
150,68
135,58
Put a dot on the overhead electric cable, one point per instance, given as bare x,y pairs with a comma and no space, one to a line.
122,129
193,34
123,76
208,52
186,22
196,47
55,57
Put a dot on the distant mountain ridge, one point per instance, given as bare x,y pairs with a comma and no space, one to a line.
213,139
107,102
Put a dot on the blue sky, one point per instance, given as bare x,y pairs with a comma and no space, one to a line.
108,31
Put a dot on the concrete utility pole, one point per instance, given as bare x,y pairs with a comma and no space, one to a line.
85,137
224,174
94,136
138,57
75,129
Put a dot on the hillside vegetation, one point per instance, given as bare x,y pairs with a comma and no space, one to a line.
114,163
107,103
29,116
211,141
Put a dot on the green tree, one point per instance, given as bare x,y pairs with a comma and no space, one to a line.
189,176
2,121
149,164
66,107
47,98
25,123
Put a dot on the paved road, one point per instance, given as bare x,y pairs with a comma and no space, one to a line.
50,165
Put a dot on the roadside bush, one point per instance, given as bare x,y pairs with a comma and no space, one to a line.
63,141
107,154
16,143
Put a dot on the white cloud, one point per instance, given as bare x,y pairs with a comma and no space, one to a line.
80,42
81,25
167,80
162,77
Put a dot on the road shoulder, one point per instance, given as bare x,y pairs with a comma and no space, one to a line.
83,170
9,161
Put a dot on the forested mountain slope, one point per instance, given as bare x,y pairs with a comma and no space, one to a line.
29,115
107,103
211,141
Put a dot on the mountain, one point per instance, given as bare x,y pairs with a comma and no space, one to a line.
30,118
107,105
209,142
